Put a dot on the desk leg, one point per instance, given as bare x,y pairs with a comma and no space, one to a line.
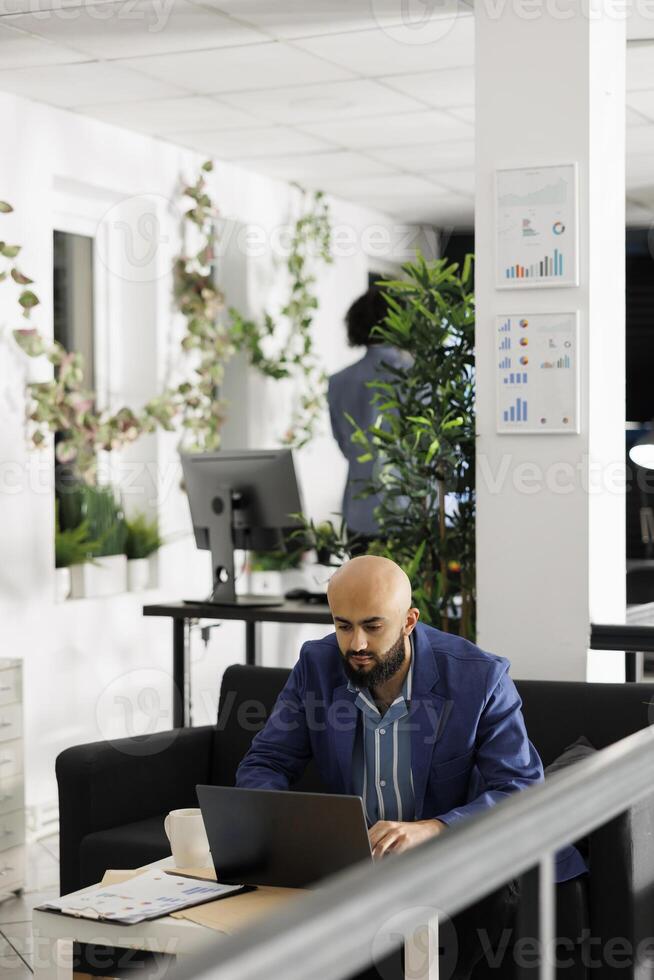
180,675
251,638
421,952
634,666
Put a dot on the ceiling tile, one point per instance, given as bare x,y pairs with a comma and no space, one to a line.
316,167
640,22
393,185
328,100
441,89
432,210
164,116
37,7
638,215
307,18
260,142
464,113
643,197
461,181
258,66
85,84
446,213
448,43
18,50
640,139
640,66
642,102
633,118
639,169
147,27
393,193
409,128
427,157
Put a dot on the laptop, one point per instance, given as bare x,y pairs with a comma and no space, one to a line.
285,839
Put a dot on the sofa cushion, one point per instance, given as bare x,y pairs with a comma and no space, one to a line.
247,696
127,846
580,749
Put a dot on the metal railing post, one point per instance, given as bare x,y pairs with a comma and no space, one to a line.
536,922
421,952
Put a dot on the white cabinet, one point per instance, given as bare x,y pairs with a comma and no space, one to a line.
12,785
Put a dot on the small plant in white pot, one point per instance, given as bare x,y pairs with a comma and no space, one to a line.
142,542
275,572
106,572
332,546
72,547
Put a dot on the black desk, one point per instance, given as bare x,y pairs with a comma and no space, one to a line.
635,639
182,612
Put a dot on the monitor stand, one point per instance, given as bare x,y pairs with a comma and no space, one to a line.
227,515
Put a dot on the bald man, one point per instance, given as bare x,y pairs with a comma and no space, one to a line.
423,725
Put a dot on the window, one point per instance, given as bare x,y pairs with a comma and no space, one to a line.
72,284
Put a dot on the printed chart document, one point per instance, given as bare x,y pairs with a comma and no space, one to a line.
146,896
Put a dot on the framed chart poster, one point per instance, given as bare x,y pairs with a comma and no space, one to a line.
537,372
536,222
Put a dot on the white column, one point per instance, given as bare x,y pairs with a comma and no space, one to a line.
550,532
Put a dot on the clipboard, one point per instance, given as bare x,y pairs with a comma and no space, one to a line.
146,896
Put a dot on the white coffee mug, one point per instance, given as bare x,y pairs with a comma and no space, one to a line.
188,838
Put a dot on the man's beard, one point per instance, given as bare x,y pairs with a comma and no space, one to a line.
384,667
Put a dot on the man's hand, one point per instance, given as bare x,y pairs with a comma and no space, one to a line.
395,836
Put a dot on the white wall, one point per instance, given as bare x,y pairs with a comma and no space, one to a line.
97,668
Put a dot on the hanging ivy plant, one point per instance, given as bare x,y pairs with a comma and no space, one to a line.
296,358
207,338
210,339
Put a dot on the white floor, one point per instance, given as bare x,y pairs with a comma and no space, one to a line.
42,883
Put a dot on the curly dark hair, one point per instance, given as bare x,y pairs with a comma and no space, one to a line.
364,314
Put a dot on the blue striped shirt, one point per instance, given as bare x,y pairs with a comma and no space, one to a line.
381,764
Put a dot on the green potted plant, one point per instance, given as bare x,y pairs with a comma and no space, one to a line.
275,572
423,441
143,541
331,545
72,547
106,573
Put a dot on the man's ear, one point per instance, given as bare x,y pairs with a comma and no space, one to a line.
411,619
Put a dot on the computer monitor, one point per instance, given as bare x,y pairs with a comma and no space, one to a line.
241,499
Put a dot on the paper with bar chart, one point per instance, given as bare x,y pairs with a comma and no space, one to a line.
536,218
537,372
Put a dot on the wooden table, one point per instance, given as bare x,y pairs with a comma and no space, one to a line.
54,934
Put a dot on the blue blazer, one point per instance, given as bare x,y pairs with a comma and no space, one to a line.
469,745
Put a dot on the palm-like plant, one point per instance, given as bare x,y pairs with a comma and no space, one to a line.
423,440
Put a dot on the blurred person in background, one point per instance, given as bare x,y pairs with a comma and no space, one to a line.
348,393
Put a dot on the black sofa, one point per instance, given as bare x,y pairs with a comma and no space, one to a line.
113,796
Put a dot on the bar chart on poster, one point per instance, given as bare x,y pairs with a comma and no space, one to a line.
537,372
536,227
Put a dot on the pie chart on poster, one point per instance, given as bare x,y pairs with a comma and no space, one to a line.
558,227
